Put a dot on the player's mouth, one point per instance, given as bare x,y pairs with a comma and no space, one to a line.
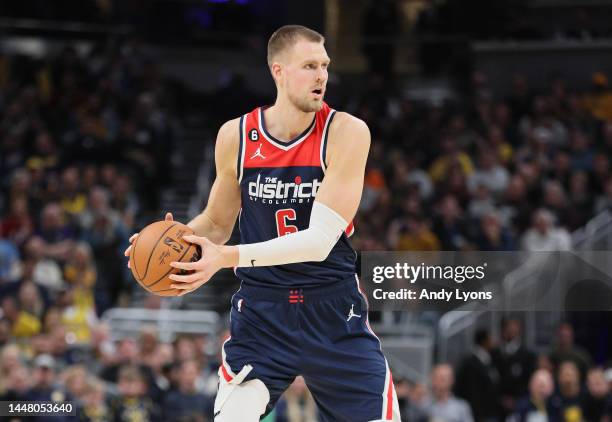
318,93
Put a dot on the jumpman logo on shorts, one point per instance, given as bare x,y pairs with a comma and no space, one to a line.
352,314
258,153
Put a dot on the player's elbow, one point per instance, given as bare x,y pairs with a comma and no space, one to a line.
320,255
322,250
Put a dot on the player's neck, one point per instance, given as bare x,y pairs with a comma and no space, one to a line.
284,121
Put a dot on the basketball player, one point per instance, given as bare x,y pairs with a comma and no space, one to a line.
292,173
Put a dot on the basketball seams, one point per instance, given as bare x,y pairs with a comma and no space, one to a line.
153,249
171,268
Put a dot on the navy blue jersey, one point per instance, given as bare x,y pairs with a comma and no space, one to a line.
278,183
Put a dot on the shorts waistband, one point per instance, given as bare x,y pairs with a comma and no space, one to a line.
299,294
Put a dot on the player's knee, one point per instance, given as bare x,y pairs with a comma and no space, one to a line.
243,402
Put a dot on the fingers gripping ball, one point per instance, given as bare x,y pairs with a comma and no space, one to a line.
156,246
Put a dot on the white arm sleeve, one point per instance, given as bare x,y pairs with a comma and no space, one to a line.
313,244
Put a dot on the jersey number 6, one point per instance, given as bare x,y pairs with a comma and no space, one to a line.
282,218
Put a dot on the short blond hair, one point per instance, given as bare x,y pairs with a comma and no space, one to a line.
286,36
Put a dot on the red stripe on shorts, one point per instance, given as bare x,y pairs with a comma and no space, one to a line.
390,398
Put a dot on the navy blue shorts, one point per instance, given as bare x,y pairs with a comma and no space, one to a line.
320,333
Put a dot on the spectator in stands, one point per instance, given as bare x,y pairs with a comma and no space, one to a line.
449,225
103,229
59,345
555,200
10,359
186,402
492,236
515,363
39,267
478,379
103,351
10,265
413,234
597,404
30,300
75,379
567,403
81,274
148,341
160,362
124,200
443,405
481,202
78,316
544,235
516,208
489,173
23,324
601,172
100,223
535,406
44,383
184,348
564,349
56,231
89,179
581,199
18,385
45,155
94,407
451,155
133,399
17,225
5,332
73,201
127,354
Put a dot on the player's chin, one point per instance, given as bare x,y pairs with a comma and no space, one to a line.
317,104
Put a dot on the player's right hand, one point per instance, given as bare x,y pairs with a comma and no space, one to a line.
135,235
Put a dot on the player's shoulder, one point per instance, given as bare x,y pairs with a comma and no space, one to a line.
228,136
227,143
347,129
230,129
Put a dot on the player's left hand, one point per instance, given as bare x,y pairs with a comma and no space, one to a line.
203,269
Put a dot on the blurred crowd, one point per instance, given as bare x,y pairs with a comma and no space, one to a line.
487,173
133,379
85,141
509,382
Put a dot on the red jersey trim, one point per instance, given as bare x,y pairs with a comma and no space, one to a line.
241,147
291,144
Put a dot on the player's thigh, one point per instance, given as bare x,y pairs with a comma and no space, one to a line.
345,368
355,395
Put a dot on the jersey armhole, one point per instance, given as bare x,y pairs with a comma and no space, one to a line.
330,117
241,149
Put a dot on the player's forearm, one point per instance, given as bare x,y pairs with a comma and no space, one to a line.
204,226
312,244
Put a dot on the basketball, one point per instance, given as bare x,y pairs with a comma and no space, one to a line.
156,246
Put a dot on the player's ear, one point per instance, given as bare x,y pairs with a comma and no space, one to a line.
277,71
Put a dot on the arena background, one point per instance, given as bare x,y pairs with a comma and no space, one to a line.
491,130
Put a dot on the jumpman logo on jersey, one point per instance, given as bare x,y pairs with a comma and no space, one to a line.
352,314
258,153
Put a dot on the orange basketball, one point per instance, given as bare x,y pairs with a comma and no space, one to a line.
156,246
